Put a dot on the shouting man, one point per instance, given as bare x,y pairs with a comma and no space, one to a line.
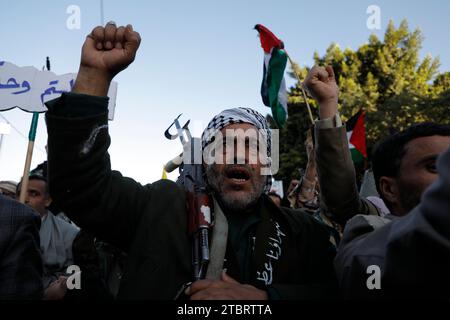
272,253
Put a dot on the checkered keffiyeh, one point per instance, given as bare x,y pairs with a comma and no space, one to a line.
239,115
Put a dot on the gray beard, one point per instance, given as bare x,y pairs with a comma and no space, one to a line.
228,202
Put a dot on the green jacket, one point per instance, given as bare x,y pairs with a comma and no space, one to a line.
291,255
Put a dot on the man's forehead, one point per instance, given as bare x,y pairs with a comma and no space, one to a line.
423,147
237,126
36,184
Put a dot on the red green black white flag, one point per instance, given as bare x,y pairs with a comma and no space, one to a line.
356,135
273,87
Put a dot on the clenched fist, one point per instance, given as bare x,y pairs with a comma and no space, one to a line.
321,85
106,51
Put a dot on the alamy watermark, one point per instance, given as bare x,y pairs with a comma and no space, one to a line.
373,22
73,21
374,280
74,280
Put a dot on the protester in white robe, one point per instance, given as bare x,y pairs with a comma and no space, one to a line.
56,246
56,235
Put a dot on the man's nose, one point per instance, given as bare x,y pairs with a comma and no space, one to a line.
240,156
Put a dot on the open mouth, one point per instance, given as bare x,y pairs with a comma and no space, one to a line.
238,174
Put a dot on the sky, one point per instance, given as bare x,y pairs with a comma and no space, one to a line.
197,57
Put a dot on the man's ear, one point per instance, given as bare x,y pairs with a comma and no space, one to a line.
48,202
389,190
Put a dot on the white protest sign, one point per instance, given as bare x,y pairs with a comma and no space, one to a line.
29,89
5,128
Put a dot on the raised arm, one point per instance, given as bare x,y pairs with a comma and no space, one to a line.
335,169
80,178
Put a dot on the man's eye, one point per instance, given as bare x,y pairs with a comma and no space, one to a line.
431,167
33,194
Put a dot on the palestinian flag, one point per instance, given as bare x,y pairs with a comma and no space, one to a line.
356,135
273,87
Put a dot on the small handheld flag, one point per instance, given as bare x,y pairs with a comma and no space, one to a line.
356,135
273,87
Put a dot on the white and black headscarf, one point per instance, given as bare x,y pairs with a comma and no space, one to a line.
240,115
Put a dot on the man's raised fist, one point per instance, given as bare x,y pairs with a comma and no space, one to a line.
110,49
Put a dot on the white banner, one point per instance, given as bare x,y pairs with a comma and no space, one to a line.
28,88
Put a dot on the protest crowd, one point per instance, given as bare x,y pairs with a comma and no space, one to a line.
221,232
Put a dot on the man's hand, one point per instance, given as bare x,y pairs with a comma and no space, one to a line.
56,290
321,85
292,185
224,289
106,51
